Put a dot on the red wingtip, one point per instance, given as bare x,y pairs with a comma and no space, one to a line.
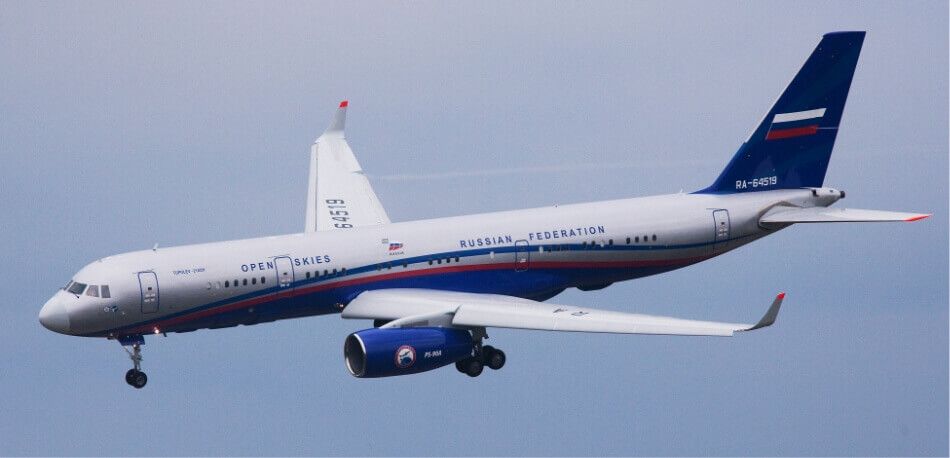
344,103
917,218
780,296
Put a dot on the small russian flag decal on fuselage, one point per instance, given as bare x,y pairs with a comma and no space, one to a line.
797,124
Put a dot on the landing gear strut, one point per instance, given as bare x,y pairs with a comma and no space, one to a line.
483,356
134,377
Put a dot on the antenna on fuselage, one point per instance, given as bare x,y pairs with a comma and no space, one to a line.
155,246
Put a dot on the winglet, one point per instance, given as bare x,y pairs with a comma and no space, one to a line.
769,318
339,120
917,218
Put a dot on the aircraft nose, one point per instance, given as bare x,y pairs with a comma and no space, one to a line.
54,316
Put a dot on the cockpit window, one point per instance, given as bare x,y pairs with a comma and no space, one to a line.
76,288
105,291
92,290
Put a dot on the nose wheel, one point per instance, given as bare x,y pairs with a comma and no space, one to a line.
134,377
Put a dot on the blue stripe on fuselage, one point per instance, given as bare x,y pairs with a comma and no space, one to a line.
529,284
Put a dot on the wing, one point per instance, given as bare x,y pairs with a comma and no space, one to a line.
783,215
419,307
339,195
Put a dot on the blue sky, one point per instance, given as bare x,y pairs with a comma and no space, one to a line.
123,125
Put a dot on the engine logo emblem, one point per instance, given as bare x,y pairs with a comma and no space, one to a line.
405,356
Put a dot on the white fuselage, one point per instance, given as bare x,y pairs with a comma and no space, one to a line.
534,253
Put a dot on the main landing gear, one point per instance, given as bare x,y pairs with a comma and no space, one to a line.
489,356
483,356
134,377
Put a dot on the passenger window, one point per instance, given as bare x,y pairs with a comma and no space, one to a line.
308,274
430,262
105,291
610,242
235,283
343,271
405,265
654,237
227,284
254,281
244,282
637,239
325,272
92,290
628,240
456,259
263,280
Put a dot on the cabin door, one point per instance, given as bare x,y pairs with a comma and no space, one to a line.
522,255
721,221
284,268
148,285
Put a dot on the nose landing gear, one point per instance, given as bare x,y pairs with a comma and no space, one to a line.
134,377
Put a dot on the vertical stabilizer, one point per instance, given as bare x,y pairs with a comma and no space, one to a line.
792,145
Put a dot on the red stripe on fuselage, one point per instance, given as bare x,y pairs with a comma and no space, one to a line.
302,290
793,132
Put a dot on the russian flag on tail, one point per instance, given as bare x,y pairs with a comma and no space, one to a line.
797,124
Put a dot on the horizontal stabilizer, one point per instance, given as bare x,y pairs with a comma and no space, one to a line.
786,215
471,310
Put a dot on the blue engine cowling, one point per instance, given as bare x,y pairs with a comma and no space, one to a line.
387,352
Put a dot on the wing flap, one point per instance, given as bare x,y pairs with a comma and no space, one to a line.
784,215
339,195
489,310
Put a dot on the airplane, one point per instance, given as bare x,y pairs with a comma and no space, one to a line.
433,287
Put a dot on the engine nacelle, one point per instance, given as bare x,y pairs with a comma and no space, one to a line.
385,352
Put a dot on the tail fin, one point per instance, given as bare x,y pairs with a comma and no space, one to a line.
792,146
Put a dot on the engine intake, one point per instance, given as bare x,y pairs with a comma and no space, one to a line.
387,352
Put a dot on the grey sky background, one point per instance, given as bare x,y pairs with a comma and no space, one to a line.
123,125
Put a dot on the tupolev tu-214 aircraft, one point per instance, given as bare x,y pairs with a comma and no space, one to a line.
433,287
